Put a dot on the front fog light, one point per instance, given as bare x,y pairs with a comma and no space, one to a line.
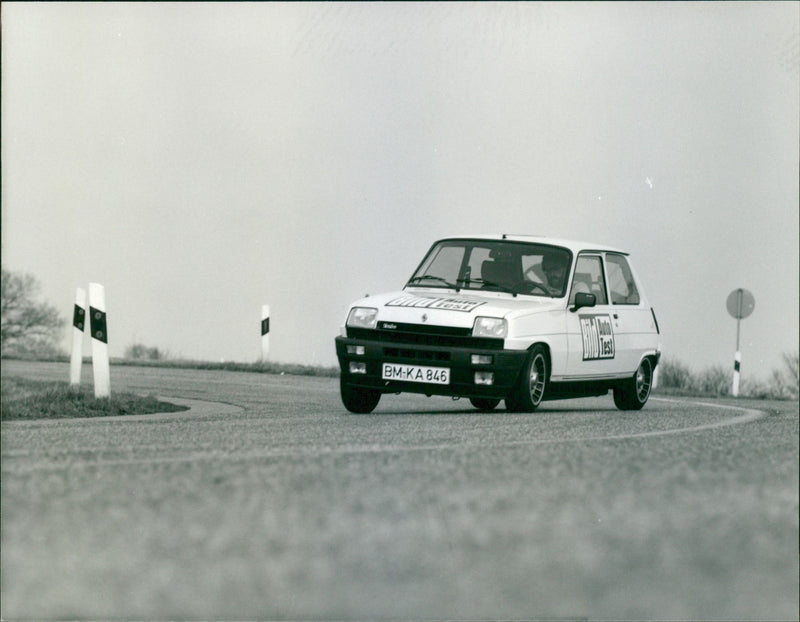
484,378
356,350
358,368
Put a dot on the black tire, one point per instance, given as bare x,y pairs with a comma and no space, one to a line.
532,383
357,400
632,394
484,404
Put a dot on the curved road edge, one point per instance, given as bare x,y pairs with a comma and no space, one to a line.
196,408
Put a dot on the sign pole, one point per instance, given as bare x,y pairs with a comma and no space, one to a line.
740,305
737,359
738,316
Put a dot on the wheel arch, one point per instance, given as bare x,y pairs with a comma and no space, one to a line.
547,351
654,356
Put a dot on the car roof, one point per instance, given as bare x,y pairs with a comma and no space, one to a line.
575,246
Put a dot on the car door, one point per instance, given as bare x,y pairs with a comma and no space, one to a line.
633,318
591,336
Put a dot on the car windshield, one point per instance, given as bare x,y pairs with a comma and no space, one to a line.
498,266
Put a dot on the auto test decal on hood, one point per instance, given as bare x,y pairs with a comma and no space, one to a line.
598,337
448,304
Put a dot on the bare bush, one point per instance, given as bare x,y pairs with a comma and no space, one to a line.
715,380
673,374
785,382
676,376
140,352
28,327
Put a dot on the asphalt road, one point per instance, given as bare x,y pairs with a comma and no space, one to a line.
273,502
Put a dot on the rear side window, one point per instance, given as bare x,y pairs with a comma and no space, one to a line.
621,285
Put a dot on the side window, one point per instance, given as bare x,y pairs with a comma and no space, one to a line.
620,281
588,279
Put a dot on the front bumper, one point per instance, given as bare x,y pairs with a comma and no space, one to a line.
505,367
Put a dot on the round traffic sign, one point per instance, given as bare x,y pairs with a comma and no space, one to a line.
740,303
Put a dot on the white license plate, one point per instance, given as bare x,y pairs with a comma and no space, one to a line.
416,373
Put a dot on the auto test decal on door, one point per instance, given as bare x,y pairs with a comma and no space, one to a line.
598,337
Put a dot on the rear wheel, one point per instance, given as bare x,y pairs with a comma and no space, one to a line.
358,400
533,382
484,404
632,394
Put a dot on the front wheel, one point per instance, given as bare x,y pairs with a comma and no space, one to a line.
533,382
358,400
632,394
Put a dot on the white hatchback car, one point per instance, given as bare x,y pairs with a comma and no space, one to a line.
505,317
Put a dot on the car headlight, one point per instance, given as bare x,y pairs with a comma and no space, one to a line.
362,317
495,327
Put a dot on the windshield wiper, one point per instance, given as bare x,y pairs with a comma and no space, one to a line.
426,277
505,288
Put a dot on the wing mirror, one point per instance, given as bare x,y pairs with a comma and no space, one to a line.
584,300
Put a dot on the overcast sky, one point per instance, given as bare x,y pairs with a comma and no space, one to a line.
200,160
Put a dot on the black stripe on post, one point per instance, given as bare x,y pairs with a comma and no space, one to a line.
264,326
98,324
79,317
736,365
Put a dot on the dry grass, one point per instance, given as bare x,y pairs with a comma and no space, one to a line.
677,378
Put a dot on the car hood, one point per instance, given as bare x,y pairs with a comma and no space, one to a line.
416,306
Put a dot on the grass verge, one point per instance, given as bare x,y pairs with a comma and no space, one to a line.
25,399
265,367
258,367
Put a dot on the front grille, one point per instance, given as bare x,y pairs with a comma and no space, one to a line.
423,329
429,356
411,335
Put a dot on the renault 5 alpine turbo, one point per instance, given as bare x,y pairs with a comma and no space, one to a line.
505,317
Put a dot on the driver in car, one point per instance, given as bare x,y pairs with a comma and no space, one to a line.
555,266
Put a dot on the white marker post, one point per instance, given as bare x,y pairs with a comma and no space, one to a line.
97,321
78,323
740,305
264,332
